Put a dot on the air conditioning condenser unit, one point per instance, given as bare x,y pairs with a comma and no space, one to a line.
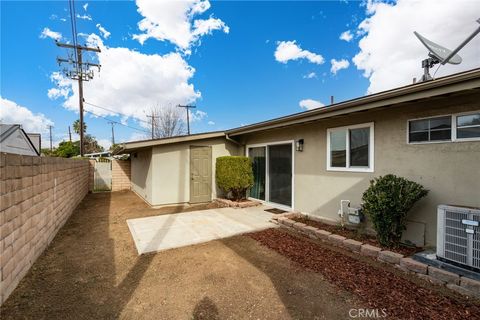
458,236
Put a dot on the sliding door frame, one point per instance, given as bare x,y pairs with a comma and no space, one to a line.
267,175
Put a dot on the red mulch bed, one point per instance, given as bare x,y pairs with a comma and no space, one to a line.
377,287
356,235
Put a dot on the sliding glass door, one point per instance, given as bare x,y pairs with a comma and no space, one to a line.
257,155
280,174
272,173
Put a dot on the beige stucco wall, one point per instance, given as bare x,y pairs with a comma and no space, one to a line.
451,171
165,170
141,173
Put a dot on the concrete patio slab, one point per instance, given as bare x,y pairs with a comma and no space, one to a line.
170,231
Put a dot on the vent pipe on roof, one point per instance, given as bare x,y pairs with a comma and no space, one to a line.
331,99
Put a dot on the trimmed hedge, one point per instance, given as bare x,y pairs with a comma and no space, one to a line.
387,202
234,176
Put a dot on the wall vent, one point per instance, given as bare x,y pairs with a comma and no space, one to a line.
458,235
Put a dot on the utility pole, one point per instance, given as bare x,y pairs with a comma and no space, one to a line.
69,134
81,72
50,129
188,115
113,133
153,116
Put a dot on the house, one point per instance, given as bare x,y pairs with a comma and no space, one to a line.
427,132
13,139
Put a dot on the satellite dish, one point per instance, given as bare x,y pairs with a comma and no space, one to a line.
437,51
440,54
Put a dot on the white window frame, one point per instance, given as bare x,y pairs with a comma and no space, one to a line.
453,136
371,148
430,142
267,176
454,126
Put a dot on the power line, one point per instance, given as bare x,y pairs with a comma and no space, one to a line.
113,133
122,124
188,116
80,70
50,129
153,116
113,111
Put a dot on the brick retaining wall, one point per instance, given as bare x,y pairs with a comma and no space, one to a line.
121,175
37,196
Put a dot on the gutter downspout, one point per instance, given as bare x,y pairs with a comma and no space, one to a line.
234,141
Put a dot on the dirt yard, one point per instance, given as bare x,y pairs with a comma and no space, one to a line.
92,270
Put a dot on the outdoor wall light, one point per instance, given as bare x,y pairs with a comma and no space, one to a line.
299,145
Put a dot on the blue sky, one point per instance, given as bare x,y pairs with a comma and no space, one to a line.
230,71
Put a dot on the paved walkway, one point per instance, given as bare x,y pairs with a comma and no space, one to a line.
183,229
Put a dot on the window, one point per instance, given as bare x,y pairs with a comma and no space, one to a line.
451,128
468,126
350,148
430,129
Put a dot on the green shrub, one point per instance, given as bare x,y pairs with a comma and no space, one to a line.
234,176
387,202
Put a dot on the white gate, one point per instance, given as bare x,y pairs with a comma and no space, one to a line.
102,179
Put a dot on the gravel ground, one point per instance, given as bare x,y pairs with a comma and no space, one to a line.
377,285
91,271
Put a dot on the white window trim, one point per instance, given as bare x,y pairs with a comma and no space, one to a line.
454,126
267,177
371,149
429,142
453,136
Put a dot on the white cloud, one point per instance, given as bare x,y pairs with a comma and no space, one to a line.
211,123
47,33
338,65
130,82
105,143
289,50
390,55
174,21
85,6
62,90
346,36
197,115
12,113
84,17
310,75
310,104
137,136
105,33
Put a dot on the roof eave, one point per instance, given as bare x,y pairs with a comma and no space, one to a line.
450,84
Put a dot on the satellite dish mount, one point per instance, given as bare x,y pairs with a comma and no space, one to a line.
438,54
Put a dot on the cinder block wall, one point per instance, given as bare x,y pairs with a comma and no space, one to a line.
37,196
91,175
121,175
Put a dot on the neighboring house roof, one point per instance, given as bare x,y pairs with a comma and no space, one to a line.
14,140
98,154
36,139
446,85
128,146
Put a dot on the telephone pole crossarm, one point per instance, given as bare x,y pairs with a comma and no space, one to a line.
79,71
188,115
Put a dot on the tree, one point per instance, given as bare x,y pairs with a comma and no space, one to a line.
68,149
167,122
90,144
76,126
47,152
